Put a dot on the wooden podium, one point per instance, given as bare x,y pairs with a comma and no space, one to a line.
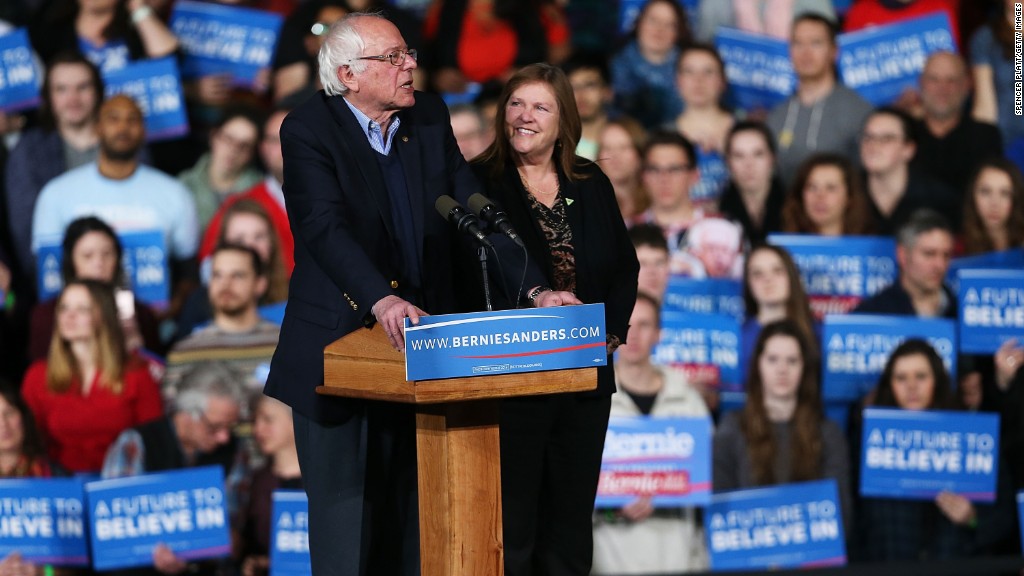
456,443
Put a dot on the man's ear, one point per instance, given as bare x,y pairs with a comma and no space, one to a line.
348,78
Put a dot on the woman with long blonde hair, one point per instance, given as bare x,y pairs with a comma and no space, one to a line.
89,388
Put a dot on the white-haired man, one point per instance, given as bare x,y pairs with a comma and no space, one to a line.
364,162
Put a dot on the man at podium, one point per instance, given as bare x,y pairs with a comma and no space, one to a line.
364,161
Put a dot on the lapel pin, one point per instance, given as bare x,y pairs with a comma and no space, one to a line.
405,138
568,201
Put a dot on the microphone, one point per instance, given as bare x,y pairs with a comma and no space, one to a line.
494,216
464,222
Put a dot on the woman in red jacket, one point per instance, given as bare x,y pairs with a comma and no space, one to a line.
89,389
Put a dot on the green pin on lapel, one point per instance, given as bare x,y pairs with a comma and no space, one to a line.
568,201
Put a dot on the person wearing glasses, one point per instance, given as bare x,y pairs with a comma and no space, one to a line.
894,189
197,431
364,162
669,173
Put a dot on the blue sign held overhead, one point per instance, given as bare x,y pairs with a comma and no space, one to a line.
219,39
991,309
787,526
668,459
505,342
19,79
289,534
155,85
856,348
43,519
914,455
704,296
757,68
882,62
185,510
839,272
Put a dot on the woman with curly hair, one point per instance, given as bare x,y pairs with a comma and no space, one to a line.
827,198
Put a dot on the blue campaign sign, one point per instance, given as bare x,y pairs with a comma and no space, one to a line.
43,520
144,258
713,176
219,39
881,62
19,79
915,454
185,510
289,534
991,309
856,348
839,272
505,342
706,346
786,526
1002,260
704,296
668,459
156,86
757,68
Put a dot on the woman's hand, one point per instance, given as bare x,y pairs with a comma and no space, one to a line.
166,561
637,510
1008,360
555,298
15,565
958,509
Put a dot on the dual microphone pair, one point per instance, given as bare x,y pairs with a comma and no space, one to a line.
467,222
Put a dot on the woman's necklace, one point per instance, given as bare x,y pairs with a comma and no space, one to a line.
537,193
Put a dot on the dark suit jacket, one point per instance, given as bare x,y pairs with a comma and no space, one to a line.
606,264
346,256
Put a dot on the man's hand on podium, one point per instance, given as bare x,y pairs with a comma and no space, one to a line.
391,312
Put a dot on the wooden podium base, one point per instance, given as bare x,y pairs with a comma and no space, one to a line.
458,455
460,489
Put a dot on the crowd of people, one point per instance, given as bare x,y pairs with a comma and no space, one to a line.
665,172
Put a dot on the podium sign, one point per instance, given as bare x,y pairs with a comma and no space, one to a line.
505,342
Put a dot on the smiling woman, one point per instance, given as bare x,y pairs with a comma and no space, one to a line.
566,213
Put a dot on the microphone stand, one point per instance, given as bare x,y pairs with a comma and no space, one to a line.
481,253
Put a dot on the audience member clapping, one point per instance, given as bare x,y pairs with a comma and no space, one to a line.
753,195
620,149
89,388
827,199
109,33
994,208
92,251
639,538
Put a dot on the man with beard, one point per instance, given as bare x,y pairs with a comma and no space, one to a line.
237,336
120,191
